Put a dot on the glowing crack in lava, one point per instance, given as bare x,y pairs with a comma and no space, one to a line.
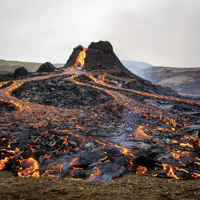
98,142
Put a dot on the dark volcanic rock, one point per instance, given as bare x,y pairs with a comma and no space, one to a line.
100,55
105,47
46,67
6,107
21,71
60,93
6,77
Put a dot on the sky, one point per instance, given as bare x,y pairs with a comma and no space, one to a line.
159,32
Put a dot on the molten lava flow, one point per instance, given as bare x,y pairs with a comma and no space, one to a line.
96,175
3,161
141,170
140,134
70,143
172,169
32,168
80,61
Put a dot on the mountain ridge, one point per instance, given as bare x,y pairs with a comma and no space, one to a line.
12,65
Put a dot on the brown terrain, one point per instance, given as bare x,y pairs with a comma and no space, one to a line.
126,187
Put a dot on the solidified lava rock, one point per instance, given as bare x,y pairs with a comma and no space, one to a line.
100,55
46,67
6,107
6,77
61,93
21,71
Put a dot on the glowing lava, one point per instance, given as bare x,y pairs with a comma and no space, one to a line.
32,168
80,61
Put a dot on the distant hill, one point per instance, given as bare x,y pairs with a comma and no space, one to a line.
10,66
135,66
182,80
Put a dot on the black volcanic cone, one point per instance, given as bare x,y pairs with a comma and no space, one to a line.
20,71
100,56
46,67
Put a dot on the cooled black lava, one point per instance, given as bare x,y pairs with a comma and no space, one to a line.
61,93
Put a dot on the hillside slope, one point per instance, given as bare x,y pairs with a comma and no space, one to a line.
135,66
183,80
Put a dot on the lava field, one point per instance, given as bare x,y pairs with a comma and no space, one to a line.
96,127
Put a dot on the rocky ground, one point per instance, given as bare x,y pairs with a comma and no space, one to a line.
101,124
126,187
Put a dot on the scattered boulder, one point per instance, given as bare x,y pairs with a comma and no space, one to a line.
46,67
21,71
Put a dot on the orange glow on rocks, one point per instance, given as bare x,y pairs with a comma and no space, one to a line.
3,161
31,170
141,170
80,61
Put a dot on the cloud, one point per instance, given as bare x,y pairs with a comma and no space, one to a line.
159,32
39,30
166,34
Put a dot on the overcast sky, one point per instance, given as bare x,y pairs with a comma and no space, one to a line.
159,32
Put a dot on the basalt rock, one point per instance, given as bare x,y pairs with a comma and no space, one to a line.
21,71
100,55
46,67
61,93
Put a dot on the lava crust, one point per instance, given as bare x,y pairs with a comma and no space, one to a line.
59,92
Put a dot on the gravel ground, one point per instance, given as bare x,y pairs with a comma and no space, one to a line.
126,187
